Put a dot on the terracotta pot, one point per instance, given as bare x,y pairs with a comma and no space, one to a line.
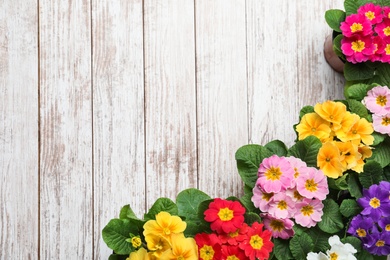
333,60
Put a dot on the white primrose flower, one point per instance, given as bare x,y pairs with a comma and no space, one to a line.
338,251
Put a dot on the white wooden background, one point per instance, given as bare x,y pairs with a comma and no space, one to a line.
109,102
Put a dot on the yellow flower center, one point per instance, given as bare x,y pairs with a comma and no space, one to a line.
277,225
310,185
355,27
297,195
273,173
386,31
136,242
206,252
334,256
234,234
370,15
181,257
381,100
296,174
313,129
267,196
387,227
256,242
167,231
375,203
225,214
282,205
361,232
386,121
387,49
380,243
232,257
307,210
358,46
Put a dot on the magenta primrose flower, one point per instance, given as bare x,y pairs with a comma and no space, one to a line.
381,124
379,48
313,184
356,24
385,56
386,12
275,174
309,212
372,12
383,29
357,48
378,100
282,228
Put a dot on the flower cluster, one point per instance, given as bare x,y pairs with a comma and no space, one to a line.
377,102
338,250
372,225
287,189
232,237
367,34
345,136
164,240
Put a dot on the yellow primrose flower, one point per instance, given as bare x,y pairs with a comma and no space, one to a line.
182,249
164,225
140,254
313,124
157,244
350,153
332,112
329,160
361,130
366,152
346,123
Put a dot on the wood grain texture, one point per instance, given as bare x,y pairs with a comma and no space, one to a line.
286,65
118,108
66,130
170,98
18,129
221,93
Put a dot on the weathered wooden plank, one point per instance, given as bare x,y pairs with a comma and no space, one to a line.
286,65
221,93
118,107
18,129
170,97
66,130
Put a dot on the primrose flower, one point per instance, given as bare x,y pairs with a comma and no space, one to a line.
331,111
232,252
313,184
164,225
378,243
383,29
378,100
329,160
282,228
357,48
356,24
361,130
183,248
360,226
261,199
140,254
157,243
337,250
386,12
346,124
209,247
298,165
375,202
258,244
384,224
381,123
309,212
275,174
236,237
365,152
372,12
378,48
313,124
385,57
350,154
225,216
282,206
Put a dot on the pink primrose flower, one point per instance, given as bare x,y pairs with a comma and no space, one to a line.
275,174
294,195
282,228
357,48
313,184
298,165
261,199
356,24
381,123
383,28
378,100
309,212
282,206
372,12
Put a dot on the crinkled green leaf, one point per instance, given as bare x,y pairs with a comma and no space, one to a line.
187,202
246,200
301,245
251,218
341,182
281,249
351,6
320,239
248,159
331,219
378,138
349,208
383,71
358,71
372,174
334,17
305,110
381,154
358,108
118,257
277,147
161,204
127,213
306,150
356,91
354,186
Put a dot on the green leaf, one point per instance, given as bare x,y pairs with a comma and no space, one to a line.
356,91
248,159
251,218
277,147
281,249
337,46
357,108
161,204
116,232
188,201
306,150
351,6
341,183
331,219
383,71
378,138
195,227
118,257
354,241
372,174
386,173
349,208
301,245
354,186
358,71
246,200
381,154
334,17
127,213
320,239
305,110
